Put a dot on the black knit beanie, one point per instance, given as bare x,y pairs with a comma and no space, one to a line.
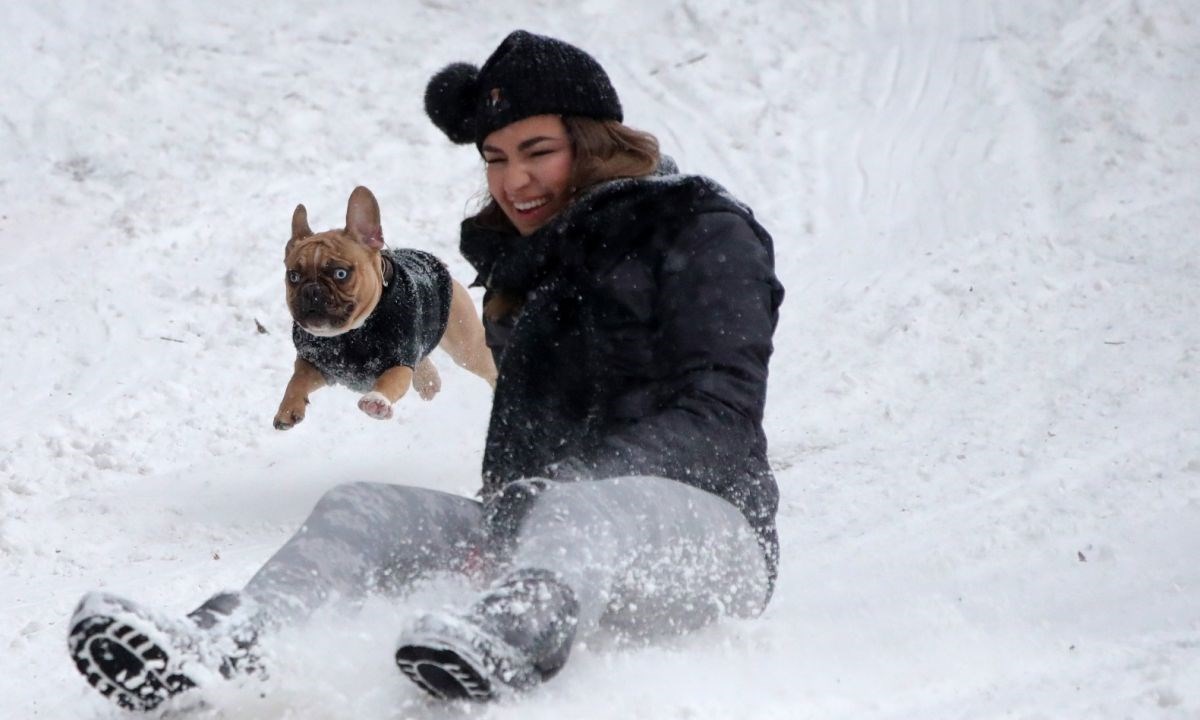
527,75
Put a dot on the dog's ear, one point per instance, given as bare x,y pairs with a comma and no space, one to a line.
362,218
300,227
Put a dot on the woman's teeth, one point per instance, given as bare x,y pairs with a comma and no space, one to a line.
531,205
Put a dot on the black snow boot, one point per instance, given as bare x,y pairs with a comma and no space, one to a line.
140,658
514,637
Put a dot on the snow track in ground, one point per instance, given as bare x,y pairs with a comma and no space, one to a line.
984,408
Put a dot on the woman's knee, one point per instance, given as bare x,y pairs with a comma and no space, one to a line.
371,504
344,494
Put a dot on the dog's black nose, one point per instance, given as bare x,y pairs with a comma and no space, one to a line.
313,298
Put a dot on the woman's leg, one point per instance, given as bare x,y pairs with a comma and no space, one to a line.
642,555
645,556
360,538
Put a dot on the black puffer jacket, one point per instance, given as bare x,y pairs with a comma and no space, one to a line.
642,344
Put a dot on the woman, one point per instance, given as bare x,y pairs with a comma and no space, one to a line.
625,483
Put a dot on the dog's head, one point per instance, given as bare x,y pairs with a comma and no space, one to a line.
335,278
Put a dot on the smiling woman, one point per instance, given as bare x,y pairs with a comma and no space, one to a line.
630,310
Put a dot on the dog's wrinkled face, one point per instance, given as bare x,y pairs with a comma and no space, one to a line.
335,278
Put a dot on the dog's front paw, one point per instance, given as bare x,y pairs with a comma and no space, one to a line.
375,405
289,415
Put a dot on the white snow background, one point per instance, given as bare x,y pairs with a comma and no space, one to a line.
984,408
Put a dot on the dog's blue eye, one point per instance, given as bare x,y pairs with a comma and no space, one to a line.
341,274
293,277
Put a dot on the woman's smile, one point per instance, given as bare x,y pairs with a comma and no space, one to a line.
530,205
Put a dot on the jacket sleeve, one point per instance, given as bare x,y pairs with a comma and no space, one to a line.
717,307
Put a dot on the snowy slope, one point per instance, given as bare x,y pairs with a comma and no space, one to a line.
985,404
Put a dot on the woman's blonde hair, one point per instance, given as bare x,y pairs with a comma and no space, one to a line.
604,150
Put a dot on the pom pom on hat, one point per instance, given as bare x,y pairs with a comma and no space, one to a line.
450,101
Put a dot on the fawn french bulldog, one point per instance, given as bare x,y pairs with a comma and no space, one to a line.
367,317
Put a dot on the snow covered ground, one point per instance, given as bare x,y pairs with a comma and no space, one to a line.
984,409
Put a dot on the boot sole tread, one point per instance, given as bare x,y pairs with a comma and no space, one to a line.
443,673
122,663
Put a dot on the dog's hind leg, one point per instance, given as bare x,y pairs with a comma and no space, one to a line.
426,379
464,339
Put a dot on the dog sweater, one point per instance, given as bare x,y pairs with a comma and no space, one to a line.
405,326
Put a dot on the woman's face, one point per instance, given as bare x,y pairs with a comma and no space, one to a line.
529,170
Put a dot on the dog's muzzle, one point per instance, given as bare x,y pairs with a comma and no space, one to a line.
319,312
313,300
